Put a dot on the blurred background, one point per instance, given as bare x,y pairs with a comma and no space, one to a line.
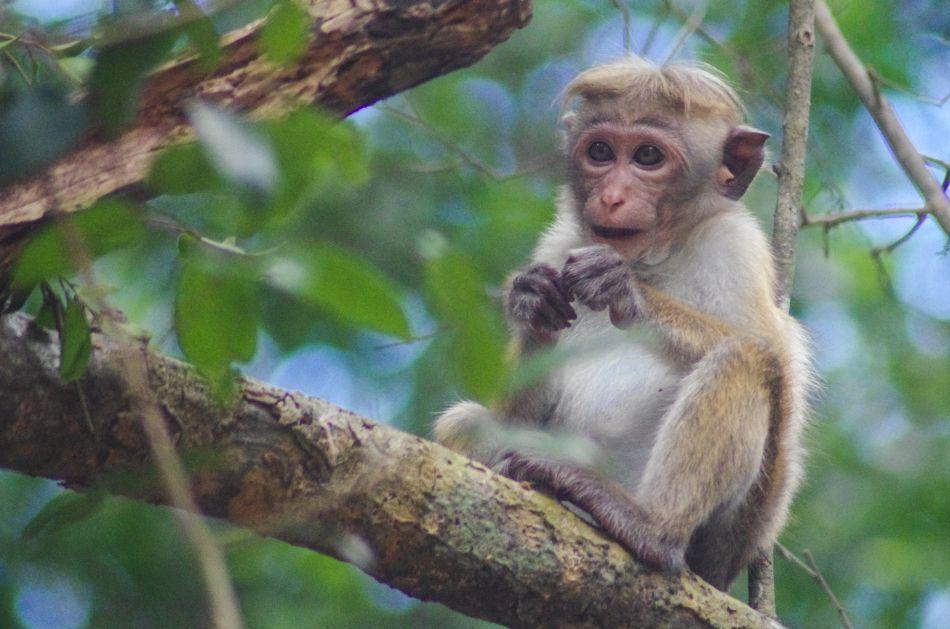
444,189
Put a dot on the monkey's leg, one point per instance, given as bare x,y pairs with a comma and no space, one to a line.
710,445
610,506
470,429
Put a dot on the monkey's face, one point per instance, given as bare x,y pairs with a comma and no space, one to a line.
623,172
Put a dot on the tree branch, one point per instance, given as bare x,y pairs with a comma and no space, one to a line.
360,52
440,526
791,167
785,223
836,218
935,201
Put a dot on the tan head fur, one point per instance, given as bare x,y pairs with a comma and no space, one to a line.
685,88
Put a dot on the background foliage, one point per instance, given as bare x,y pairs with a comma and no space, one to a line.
357,262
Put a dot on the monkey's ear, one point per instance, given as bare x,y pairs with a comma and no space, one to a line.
742,157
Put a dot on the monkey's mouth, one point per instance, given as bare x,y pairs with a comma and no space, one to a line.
614,232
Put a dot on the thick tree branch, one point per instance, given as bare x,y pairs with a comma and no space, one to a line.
440,526
359,53
935,201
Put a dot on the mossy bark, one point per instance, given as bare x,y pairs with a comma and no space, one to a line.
438,526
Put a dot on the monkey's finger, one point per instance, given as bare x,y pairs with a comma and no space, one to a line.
554,296
547,317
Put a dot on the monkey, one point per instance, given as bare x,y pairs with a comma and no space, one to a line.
697,385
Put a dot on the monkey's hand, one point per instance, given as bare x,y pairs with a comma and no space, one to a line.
537,302
611,507
599,278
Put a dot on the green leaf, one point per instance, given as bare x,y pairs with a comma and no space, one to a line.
345,284
286,32
47,315
183,169
36,127
63,510
201,33
119,73
478,334
108,225
237,151
216,314
75,342
317,155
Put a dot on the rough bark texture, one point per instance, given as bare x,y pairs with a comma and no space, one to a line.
791,166
360,51
440,526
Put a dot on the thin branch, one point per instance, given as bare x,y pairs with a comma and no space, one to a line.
485,170
625,12
936,162
762,584
658,18
225,611
791,166
836,218
692,25
885,249
877,77
789,207
816,575
904,151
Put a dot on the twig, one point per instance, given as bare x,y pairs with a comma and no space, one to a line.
791,166
225,612
658,18
935,200
486,170
413,340
816,575
691,26
444,140
836,218
936,162
625,12
930,100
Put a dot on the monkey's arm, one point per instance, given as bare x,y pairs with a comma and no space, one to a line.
599,278
690,333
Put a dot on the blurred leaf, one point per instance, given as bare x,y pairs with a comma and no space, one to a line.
286,32
75,342
238,152
107,225
478,336
63,510
216,314
79,69
201,33
36,127
47,315
120,72
346,285
317,154
183,169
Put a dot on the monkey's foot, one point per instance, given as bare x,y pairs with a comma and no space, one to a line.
610,506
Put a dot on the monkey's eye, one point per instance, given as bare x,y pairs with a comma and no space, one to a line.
600,152
648,155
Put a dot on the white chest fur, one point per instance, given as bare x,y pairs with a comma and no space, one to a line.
614,388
